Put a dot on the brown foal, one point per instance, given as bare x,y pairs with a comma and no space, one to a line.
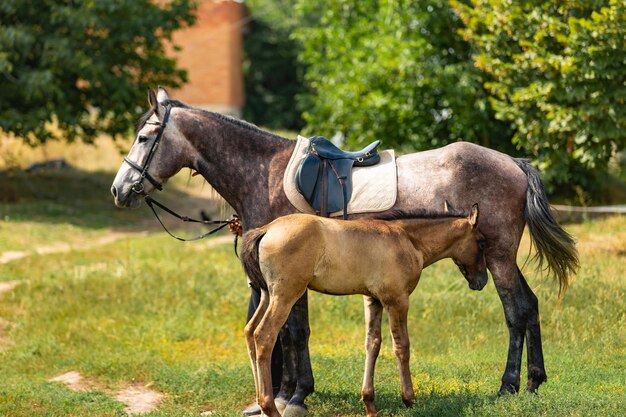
381,259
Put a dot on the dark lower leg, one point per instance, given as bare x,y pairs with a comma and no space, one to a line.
516,314
298,324
289,373
536,368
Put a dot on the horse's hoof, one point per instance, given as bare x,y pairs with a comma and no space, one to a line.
507,390
281,404
294,410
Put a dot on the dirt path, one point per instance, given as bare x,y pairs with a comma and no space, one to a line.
138,398
6,257
9,256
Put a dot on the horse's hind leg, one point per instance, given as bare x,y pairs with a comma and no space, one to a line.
398,321
373,340
516,311
298,325
534,350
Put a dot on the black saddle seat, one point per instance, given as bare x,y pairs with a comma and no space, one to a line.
324,148
324,176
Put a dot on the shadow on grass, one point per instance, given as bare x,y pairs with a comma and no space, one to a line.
388,404
82,199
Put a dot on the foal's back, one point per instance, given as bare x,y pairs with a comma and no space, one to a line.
371,257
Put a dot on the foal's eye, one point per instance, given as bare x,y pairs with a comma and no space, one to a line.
142,139
482,244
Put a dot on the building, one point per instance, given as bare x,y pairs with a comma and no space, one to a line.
211,52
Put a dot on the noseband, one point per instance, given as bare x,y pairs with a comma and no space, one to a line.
138,187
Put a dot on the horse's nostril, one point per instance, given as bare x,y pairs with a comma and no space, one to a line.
114,191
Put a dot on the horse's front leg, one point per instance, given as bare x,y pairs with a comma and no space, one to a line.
298,327
373,339
513,298
536,368
289,379
398,322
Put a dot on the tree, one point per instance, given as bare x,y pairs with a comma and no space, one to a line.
272,72
79,68
558,73
393,70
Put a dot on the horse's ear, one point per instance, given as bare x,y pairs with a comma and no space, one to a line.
152,100
473,216
162,95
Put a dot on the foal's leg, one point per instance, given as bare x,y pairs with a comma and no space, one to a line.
536,369
265,337
373,340
249,333
398,321
516,308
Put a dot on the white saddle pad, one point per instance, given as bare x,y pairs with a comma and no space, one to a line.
374,188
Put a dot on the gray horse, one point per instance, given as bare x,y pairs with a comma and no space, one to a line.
245,165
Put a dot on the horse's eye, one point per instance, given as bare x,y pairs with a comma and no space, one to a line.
142,139
482,244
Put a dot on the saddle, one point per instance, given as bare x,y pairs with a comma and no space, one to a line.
324,177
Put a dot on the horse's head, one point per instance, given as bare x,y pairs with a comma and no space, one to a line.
155,156
469,252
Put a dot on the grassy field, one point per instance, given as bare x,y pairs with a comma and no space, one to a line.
146,309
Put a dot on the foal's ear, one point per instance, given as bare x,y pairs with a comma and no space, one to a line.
473,216
152,100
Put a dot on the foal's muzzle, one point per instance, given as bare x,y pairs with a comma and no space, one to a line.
479,281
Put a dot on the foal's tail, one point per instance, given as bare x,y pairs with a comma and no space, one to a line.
553,243
250,256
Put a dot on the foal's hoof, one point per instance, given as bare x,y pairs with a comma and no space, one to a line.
295,410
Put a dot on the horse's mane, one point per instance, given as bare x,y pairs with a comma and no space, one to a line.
177,103
420,214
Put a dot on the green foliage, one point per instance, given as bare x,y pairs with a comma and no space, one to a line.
393,70
79,68
558,73
272,72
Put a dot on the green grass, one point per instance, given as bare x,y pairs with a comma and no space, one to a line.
149,309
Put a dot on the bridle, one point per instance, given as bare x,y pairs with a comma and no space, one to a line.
138,187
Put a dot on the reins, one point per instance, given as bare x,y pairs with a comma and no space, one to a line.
151,202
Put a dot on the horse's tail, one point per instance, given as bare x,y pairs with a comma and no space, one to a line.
554,245
250,256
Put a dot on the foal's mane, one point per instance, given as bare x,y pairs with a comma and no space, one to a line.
421,214
232,120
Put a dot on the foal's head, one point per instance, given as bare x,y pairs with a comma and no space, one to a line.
469,252
150,161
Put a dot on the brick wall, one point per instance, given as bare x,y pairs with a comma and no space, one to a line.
212,54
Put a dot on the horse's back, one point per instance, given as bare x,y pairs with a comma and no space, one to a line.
463,174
